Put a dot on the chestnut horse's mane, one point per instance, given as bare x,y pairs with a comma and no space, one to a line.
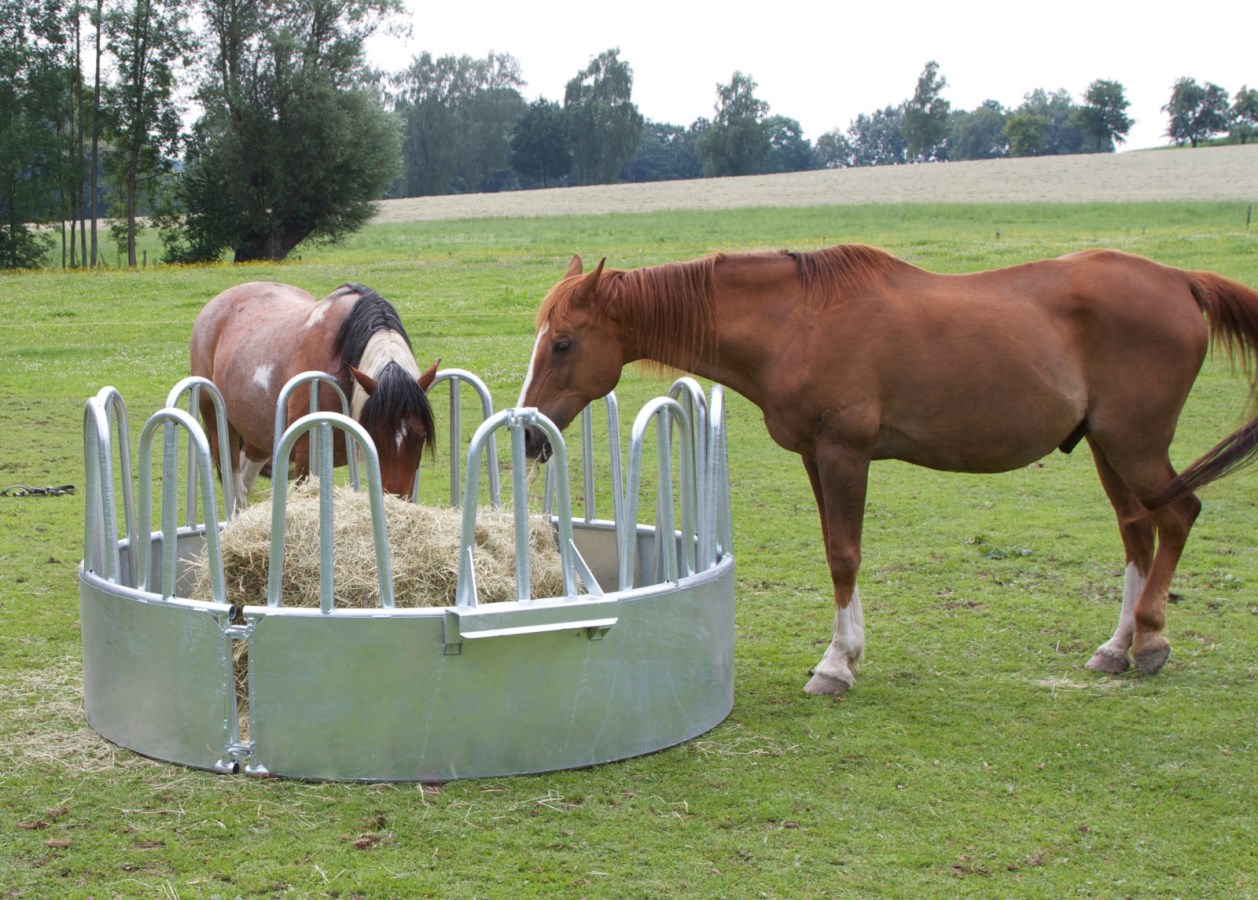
673,306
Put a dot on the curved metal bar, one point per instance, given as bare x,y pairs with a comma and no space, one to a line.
108,402
457,377
170,420
326,421
281,420
687,391
100,517
663,408
517,420
192,386
612,408
715,524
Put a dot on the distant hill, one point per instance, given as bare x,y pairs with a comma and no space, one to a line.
1205,173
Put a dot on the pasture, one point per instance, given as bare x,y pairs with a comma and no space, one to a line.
975,757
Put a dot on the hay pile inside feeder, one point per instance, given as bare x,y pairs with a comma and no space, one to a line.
423,543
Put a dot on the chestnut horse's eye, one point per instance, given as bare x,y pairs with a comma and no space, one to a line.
561,346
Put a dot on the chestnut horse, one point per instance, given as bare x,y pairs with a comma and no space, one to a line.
252,338
853,355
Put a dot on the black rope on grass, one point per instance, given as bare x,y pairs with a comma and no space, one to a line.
25,490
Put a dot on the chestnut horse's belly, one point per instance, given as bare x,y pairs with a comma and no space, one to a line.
976,420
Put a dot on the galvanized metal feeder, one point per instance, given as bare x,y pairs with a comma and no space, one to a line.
641,659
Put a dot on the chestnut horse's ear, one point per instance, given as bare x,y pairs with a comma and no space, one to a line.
587,291
427,376
574,267
365,381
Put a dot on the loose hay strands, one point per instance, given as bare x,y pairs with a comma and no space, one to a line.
423,542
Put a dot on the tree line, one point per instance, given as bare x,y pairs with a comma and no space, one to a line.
249,126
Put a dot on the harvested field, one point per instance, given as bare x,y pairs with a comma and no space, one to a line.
1205,173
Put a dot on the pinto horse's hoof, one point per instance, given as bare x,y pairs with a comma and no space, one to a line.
1150,662
828,685
1111,662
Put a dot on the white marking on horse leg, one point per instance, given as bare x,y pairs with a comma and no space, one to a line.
1112,655
528,378
836,672
239,489
262,375
250,474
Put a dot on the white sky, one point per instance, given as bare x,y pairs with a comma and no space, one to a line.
824,62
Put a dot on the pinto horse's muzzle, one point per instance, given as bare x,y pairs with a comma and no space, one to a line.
536,443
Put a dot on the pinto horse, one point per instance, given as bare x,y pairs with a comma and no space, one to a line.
252,338
853,355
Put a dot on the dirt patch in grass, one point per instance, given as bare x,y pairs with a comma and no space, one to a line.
1204,173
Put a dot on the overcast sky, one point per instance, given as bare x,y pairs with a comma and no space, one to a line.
824,62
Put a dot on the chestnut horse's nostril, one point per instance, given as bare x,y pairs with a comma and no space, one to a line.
536,444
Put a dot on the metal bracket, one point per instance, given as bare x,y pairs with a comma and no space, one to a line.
523,618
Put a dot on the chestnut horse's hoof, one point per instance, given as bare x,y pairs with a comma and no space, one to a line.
1150,662
828,685
1111,662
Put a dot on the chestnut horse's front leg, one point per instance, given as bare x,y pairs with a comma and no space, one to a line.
839,477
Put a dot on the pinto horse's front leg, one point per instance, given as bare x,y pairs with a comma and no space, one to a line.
839,477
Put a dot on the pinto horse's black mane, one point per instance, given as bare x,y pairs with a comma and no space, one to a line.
398,394
370,314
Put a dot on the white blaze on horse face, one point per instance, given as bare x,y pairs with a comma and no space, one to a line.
262,376
528,378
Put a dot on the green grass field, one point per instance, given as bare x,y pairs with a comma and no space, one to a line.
975,757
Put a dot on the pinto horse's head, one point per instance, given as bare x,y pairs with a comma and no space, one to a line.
398,417
577,357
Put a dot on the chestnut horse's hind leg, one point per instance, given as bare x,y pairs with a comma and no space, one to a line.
839,480
1149,649
1144,599
1137,533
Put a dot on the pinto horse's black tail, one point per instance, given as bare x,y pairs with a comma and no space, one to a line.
1231,309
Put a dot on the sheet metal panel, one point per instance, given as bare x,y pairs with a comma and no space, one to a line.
157,674
390,705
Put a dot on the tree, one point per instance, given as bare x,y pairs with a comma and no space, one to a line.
925,119
835,151
34,93
789,150
1195,111
1060,132
293,143
604,127
666,153
1027,134
978,134
737,142
148,40
1103,116
539,145
458,114
878,140
1245,113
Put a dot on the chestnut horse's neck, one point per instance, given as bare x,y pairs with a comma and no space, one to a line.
721,317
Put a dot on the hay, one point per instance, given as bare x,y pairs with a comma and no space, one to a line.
423,543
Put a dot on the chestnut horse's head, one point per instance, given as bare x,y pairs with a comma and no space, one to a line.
577,357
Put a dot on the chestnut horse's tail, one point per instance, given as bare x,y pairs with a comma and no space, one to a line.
1231,310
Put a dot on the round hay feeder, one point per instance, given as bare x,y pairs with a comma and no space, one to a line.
635,654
